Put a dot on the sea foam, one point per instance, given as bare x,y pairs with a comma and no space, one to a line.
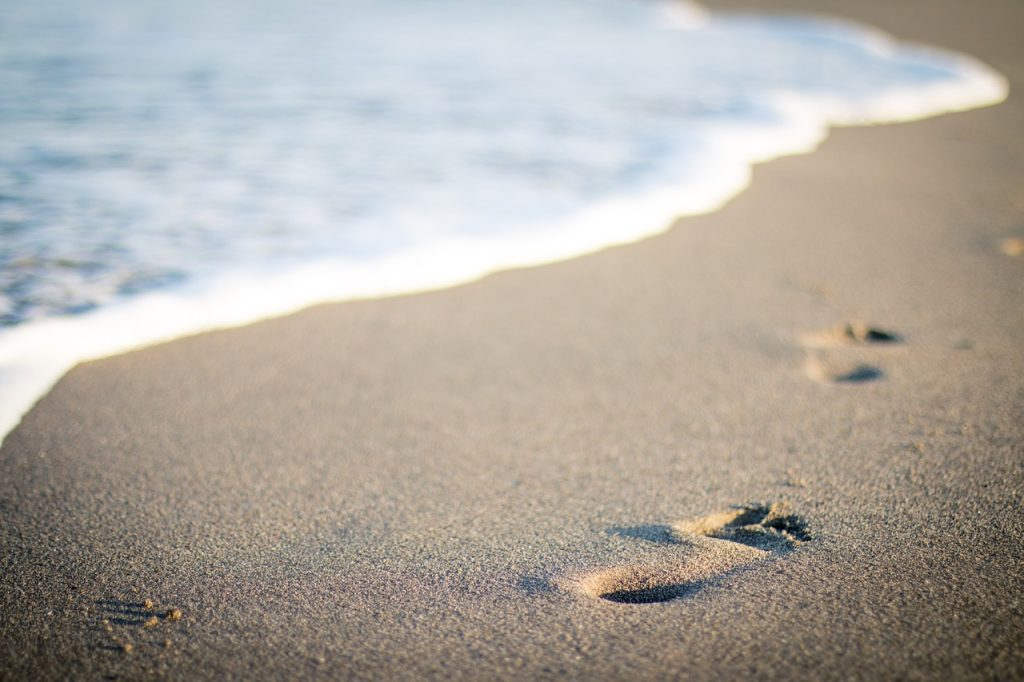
158,180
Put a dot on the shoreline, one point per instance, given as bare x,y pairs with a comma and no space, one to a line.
404,487
36,353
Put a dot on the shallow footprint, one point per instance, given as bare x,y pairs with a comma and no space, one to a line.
695,552
831,367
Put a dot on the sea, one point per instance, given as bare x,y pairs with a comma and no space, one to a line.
168,168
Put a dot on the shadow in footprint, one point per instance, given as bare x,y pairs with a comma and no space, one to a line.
653,595
818,370
862,333
859,375
650,581
851,334
657,533
118,612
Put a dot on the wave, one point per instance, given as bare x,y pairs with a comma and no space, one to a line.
696,173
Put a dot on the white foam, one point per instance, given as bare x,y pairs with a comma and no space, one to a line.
34,355
685,15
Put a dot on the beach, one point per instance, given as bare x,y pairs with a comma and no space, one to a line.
783,440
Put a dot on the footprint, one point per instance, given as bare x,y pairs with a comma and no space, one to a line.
826,361
693,553
1013,246
125,626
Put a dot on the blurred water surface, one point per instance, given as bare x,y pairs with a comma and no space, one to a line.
148,144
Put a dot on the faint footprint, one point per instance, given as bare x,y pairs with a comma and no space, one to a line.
693,553
1013,246
827,360
125,626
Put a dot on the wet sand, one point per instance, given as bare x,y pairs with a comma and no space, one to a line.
697,456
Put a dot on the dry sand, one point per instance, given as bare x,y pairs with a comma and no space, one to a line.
445,485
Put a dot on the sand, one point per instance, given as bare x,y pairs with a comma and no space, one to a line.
506,479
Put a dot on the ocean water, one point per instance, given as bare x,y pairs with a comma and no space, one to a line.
168,168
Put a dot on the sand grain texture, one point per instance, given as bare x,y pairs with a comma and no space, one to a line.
393,489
